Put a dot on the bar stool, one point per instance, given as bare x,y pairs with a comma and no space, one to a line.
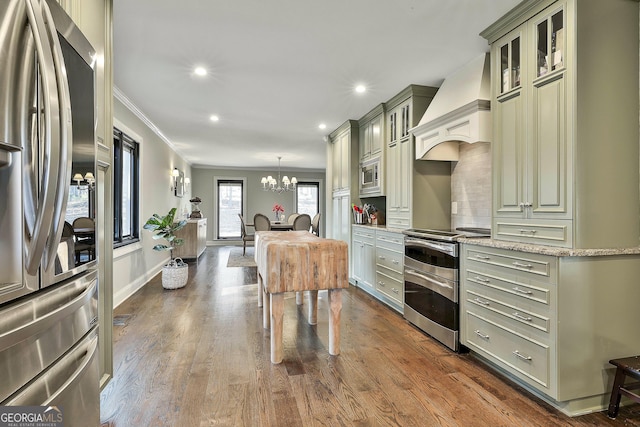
628,366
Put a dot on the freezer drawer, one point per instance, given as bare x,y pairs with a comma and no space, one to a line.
37,331
72,384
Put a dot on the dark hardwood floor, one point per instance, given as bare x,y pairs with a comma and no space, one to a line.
198,356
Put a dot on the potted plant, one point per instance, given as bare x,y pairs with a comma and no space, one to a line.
176,272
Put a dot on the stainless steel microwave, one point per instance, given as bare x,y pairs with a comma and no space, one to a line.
370,183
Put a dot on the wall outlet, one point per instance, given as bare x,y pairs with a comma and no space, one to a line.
454,208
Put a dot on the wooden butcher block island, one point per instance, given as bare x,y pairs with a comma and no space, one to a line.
296,261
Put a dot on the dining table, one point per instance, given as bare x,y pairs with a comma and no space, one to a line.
298,261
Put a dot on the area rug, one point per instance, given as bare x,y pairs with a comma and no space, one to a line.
237,260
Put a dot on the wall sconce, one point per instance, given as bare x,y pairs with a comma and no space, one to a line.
187,181
175,173
88,177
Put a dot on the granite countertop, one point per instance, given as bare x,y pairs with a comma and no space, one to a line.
381,227
548,250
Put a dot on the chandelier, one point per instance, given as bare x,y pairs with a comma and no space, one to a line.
281,184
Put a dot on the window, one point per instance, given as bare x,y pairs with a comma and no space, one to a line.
126,171
308,198
229,205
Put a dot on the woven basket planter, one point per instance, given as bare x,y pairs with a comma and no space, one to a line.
175,274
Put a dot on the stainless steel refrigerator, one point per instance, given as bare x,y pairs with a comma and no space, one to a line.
48,257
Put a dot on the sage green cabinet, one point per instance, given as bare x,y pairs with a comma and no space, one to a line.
546,320
342,171
343,159
364,256
565,107
404,111
371,133
377,261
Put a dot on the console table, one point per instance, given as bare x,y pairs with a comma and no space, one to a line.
295,261
195,239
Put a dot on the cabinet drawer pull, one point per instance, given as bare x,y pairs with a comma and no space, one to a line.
521,356
525,231
395,290
481,335
381,283
395,261
381,257
521,317
482,302
482,257
521,265
482,279
522,291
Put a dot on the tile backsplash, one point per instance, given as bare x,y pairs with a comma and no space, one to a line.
471,186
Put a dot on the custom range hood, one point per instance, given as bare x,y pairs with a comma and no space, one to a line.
460,112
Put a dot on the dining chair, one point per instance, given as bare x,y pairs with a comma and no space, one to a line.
302,222
261,222
292,217
315,224
84,231
245,236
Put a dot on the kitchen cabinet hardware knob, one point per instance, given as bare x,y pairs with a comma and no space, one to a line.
522,356
482,279
521,265
481,335
482,257
521,317
522,291
482,302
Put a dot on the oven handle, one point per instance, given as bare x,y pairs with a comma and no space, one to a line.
443,288
447,248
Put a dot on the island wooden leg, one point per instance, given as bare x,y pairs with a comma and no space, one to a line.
266,309
312,315
299,298
335,307
277,315
260,302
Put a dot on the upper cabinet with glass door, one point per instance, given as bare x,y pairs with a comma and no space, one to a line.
510,53
550,44
565,114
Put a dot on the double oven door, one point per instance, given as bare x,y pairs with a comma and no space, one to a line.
431,288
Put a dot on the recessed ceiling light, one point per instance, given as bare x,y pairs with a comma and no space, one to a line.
322,126
200,71
361,88
214,118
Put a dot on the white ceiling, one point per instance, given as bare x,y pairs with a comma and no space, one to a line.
279,68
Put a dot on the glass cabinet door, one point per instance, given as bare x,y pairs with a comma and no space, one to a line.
510,65
550,41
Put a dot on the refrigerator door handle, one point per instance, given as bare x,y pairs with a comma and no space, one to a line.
55,306
65,147
48,188
90,350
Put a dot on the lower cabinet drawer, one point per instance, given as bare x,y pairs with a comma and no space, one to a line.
524,357
551,233
390,259
390,286
524,318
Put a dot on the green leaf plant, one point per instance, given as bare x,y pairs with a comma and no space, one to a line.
165,228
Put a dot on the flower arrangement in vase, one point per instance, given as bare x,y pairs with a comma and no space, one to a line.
279,210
